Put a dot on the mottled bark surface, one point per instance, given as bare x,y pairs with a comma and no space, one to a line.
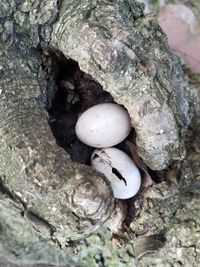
33,168
44,195
130,57
21,245
166,233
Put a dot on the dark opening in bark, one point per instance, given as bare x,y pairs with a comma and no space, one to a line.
76,92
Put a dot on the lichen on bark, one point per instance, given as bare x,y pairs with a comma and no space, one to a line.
131,59
40,173
129,56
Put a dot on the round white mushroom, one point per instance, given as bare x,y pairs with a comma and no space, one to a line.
103,125
119,169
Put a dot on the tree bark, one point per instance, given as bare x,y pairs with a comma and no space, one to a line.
129,56
41,174
127,53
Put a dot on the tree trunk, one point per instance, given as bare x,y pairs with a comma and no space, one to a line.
46,199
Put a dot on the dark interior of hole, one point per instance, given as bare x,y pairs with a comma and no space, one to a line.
76,92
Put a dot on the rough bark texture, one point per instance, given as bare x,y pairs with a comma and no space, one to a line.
18,238
33,168
166,233
129,56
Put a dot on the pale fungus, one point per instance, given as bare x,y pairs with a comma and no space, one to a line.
119,169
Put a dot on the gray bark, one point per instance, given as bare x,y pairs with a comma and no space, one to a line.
41,174
131,59
22,246
129,56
